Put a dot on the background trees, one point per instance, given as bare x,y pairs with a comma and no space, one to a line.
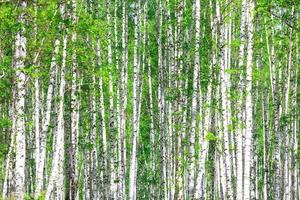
149,99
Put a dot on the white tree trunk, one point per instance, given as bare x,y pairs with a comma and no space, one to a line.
248,104
295,127
87,174
102,124
74,182
161,107
112,184
94,154
171,85
113,187
239,135
152,132
133,161
57,171
19,65
118,109
9,158
60,126
36,100
287,155
37,125
194,102
122,142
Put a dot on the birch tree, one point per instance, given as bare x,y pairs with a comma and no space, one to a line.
111,108
248,103
74,113
122,142
239,137
19,65
133,162
194,102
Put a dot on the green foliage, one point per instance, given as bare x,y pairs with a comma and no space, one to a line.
210,136
41,196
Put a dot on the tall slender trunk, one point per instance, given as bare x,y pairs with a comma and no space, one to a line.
7,183
248,104
75,104
111,107
118,107
265,126
274,92
74,182
179,147
102,125
133,161
94,154
124,75
161,107
152,133
194,101
171,85
60,125
36,102
239,135
265,138
287,88
295,180
87,173
19,65
37,123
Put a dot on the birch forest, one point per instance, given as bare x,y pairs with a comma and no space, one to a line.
149,99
